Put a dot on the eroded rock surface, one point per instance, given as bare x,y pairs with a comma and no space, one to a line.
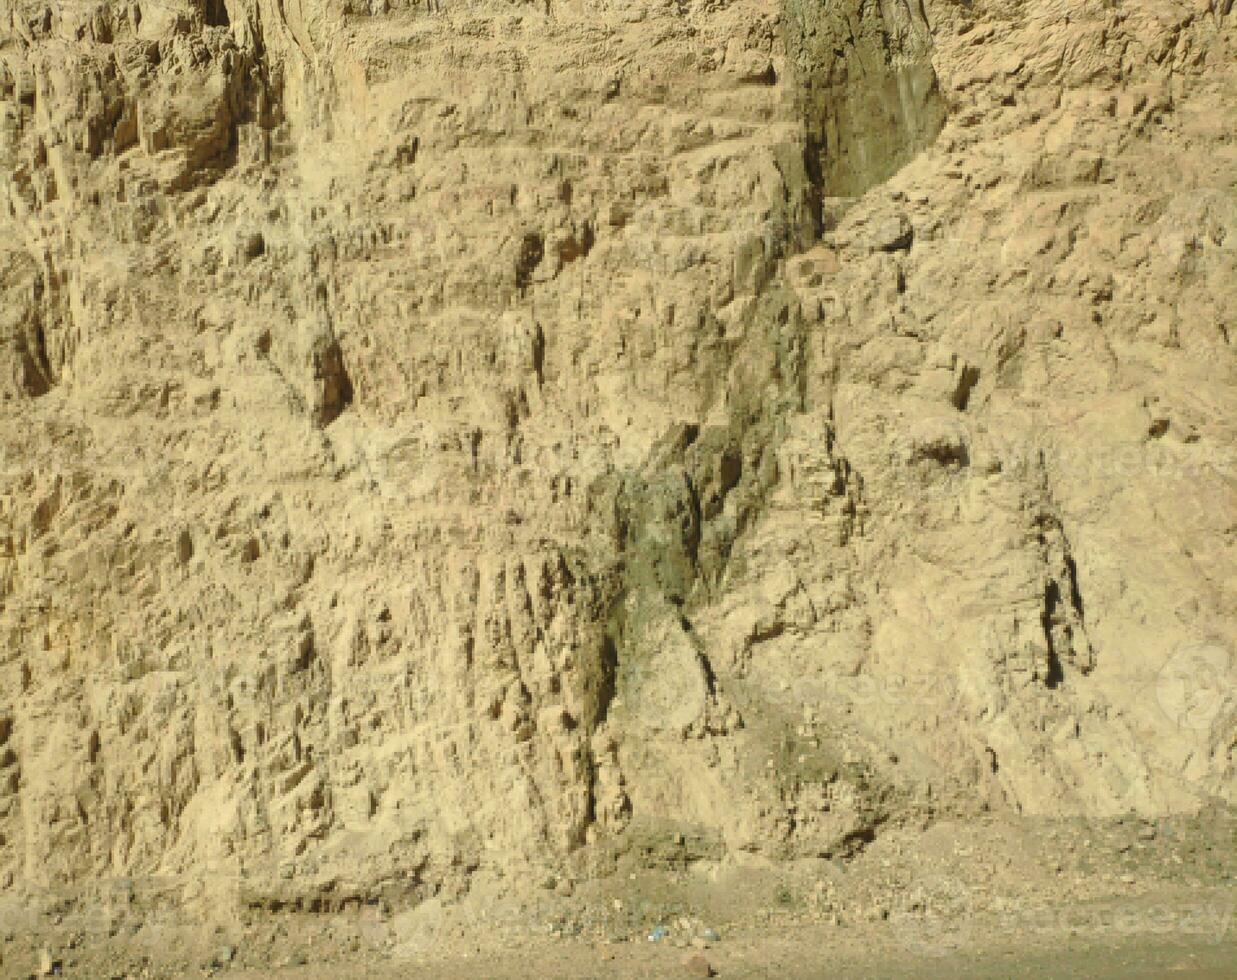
449,442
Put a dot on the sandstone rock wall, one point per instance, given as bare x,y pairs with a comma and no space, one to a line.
452,442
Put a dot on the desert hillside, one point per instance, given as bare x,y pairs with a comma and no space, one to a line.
477,446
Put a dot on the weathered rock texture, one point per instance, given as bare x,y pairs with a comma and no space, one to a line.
466,440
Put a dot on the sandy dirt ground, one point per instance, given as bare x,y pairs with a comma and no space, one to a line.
994,900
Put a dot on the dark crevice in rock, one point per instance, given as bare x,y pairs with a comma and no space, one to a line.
36,371
1075,595
532,250
1052,624
968,378
607,677
216,14
335,384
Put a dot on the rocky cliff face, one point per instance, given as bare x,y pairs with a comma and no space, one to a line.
446,443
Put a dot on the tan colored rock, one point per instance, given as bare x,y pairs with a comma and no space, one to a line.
444,443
